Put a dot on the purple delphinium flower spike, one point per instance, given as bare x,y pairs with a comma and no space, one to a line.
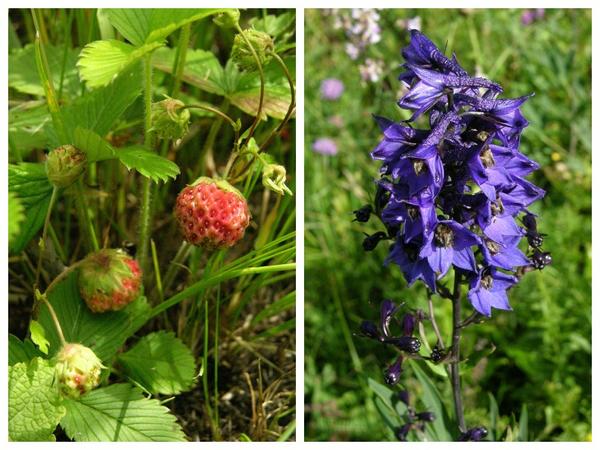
454,192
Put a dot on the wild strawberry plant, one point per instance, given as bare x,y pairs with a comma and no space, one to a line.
127,287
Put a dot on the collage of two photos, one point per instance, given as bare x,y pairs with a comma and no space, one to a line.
153,193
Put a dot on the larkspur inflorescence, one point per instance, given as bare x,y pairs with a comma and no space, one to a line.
456,189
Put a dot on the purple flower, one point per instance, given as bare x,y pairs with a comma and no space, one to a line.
331,89
325,146
454,192
449,243
488,290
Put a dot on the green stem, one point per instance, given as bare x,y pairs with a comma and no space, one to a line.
61,336
291,108
262,83
44,235
184,40
454,365
146,202
61,276
46,79
85,217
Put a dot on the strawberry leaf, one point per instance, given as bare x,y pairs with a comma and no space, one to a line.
147,163
119,413
160,363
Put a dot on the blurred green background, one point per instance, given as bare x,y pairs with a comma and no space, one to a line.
543,348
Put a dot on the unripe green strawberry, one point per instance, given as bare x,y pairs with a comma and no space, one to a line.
241,52
65,164
212,213
170,119
109,280
77,369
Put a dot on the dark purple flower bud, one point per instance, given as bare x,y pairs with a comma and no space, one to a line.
369,329
363,214
402,432
393,372
426,416
474,434
408,324
404,397
405,343
436,354
541,259
371,241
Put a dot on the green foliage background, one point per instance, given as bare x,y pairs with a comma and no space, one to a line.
543,348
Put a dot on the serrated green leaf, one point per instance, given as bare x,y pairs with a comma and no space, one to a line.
21,351
101,61
141,26
246,95
161,363
38,336
274,25
26,128
104,333
119,413
34,403
96,148
433,402
202,68
147,163
29,183
98,110
23,77
15,216
286,302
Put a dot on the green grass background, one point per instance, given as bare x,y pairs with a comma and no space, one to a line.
543,348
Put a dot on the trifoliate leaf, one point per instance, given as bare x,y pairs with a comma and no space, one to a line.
101,61
274,25
147,163
34,404
161,363
21,351
29,182
38,336
119,413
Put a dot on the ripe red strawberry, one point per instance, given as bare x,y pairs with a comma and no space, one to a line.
109,280
212,213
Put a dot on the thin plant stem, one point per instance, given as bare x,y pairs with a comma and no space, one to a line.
436,329
146,202
262,83
182,46
291,108
61,336
44,235
454,365
61,276
88,226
